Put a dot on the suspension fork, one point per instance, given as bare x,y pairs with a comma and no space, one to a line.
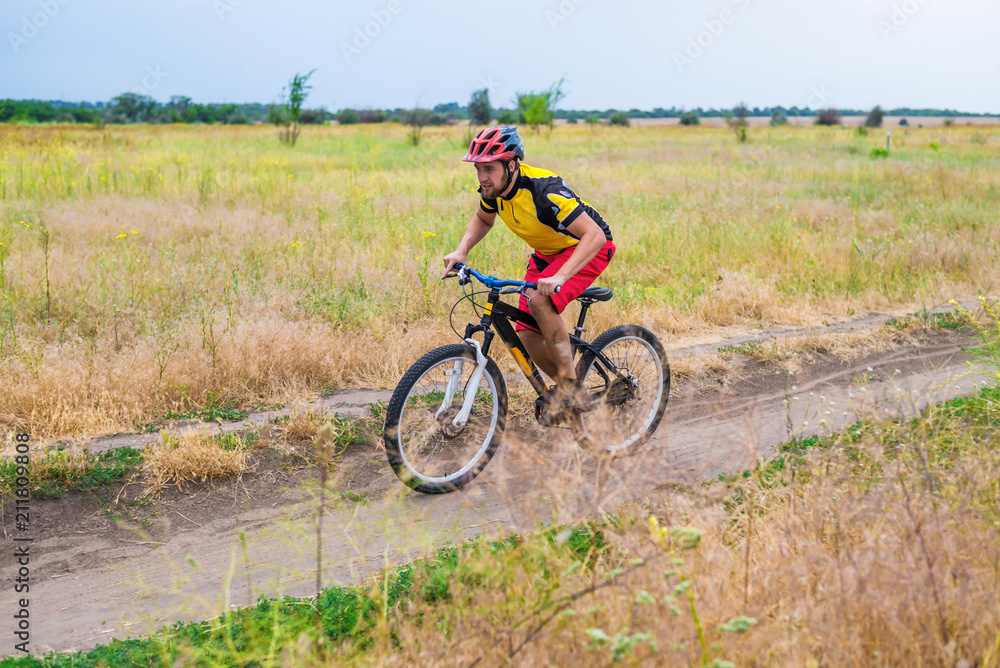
455,373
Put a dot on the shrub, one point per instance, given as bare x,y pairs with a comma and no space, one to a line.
237,117
593,119
875,117
312,116
828,117
347,117
619,118
371,116
904,123
878,152
861,131
506,117
779,118
690,118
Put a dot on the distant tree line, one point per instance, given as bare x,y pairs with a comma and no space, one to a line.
133,108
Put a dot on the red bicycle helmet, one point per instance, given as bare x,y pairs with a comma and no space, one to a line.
498,142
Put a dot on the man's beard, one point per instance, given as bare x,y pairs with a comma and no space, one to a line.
489,192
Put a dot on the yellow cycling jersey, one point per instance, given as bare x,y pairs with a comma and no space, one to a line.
539,208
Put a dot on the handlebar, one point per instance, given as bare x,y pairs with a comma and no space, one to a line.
491,282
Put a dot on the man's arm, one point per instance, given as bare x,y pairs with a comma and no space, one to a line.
592,239
479,227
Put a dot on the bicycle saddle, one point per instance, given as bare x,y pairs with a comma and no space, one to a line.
597,294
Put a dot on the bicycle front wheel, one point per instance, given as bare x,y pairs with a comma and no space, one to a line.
429,445
631,378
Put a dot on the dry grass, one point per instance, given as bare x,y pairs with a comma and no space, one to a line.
874,547
182,274
192,456
303,424
881,549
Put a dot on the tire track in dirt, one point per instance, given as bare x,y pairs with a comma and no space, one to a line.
94,585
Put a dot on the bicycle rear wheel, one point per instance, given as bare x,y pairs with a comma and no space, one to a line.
426,449
632,382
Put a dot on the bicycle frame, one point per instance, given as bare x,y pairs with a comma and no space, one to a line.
498,315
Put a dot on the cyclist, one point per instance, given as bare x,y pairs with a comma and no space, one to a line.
572,246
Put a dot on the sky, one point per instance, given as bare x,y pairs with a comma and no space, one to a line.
613,54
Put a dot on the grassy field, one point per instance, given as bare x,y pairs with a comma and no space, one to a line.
875,546
147,270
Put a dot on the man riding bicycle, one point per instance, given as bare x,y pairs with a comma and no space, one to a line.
572,246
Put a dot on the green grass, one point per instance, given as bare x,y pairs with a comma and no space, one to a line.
58,472
339,615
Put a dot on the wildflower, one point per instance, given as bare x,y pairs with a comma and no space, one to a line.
428,234
133,232
806,423
122,235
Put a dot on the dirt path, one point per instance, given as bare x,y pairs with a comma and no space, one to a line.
93,579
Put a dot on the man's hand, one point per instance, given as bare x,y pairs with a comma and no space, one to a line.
548,286
451,259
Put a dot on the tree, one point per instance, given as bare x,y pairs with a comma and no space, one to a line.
875,117
298,91
130,108
690,118
535,108
737,120
179,109
779,118
828,117
479,108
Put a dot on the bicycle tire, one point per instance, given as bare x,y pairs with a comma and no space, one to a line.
401,400
658,406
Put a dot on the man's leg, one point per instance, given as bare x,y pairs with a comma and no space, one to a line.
551,349
539,351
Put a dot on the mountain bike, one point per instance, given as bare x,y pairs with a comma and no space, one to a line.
447,416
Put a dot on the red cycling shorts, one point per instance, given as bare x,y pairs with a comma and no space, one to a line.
543,266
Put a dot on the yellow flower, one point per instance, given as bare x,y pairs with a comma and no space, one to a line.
133,232
428,234
122,235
